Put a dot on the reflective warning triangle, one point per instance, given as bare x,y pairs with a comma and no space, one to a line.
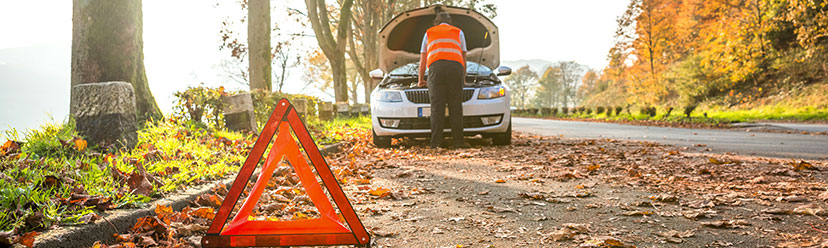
326,230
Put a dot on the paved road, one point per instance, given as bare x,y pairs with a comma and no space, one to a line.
766,144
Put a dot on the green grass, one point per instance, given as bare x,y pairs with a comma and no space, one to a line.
715,116
328,132
188,154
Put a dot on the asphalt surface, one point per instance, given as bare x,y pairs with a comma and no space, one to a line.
766,144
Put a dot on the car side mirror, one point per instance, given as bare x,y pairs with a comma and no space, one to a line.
504,71
376,74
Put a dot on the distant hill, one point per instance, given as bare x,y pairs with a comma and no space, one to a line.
537,65
34,82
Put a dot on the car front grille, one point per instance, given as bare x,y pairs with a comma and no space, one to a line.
421,96
425,123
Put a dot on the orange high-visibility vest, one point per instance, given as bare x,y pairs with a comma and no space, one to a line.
444,44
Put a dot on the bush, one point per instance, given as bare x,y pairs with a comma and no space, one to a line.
618,110
200,104
588,111
669,111
599,110
264,102
689,110
554,111
648,111
565,110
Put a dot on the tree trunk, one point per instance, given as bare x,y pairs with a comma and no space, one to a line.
107,45
333,48
258,39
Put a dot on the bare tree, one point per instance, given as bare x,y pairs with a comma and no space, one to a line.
332,47
520,83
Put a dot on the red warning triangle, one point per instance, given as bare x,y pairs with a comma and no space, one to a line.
325,230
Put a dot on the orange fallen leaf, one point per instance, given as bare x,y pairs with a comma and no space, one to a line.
361,181
28,239
204,212
500,181
802,165
80,144
300,216
593,167
163,211
380,192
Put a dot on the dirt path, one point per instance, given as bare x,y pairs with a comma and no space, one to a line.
512,199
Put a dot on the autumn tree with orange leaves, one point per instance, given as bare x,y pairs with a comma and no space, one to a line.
685,52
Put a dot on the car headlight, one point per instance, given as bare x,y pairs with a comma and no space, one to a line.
389,96
491,92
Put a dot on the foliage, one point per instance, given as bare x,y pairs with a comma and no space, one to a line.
730,53
520,82
264,103
200,104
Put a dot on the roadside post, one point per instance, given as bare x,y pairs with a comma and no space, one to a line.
329,229
326,111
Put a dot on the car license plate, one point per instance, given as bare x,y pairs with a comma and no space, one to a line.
426,112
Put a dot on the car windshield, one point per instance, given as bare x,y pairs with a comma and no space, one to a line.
472,69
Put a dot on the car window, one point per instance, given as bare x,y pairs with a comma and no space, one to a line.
411,69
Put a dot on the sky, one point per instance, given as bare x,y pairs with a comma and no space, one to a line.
181,40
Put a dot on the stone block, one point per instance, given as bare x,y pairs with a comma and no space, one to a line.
238,113
326,111
301,106
343,109
105,113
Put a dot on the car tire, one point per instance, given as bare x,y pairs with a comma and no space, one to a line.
503,139
381,141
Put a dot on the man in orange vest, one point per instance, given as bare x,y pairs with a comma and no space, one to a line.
444,53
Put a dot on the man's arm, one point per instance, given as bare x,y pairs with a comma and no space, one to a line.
423,58
421,75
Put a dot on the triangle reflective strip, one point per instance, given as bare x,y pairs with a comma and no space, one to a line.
285,146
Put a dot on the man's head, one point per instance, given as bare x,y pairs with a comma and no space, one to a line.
442,17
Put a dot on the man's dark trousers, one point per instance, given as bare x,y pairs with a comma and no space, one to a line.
445,87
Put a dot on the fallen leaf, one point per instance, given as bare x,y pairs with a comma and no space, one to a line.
533,195
561,234
139,184
10,147
637,213
776,211
204,212
593,167
809,209
146,241
802,165
361,181
380,192
501,209
500,181
725,223
28,239
80,144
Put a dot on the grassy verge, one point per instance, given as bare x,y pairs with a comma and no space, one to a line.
50,176
709,117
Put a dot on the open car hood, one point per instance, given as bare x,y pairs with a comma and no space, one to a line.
402,37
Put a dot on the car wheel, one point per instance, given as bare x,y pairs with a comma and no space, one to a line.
503,139
381,141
